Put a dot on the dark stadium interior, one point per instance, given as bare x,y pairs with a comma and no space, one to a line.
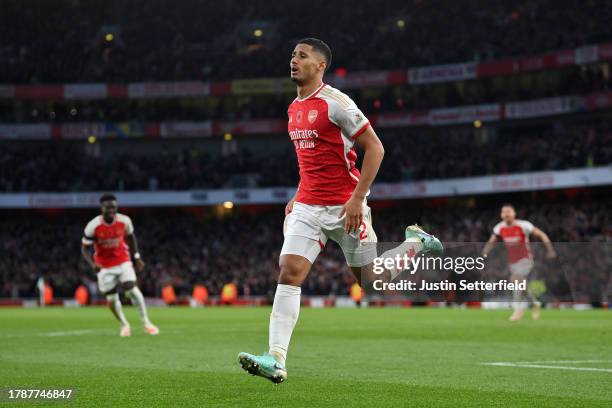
192,43
412,154
114,44
579,80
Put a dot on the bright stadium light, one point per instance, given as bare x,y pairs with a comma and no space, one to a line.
400,23
477,124
227,137
228,204
258,33
91,139
109,37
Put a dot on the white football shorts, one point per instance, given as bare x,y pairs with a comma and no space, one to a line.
308,227
522,268
108,278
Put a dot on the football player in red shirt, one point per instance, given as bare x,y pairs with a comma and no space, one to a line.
330,202
515,234
112,236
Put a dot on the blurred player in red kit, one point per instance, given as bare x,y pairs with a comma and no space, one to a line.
112,236
515,234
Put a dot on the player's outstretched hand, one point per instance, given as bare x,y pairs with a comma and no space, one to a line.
139,264
353,210
551,254
289,206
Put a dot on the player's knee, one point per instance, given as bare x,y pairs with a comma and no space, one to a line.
111,297
290,274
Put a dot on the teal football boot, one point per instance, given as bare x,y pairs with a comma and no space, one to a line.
264,366
431,244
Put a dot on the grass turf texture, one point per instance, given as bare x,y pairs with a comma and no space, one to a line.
338,357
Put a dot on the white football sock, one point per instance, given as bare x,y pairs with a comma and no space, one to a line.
411,246
137,299
113,300
285,312
518,296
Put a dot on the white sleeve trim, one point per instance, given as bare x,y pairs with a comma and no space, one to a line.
497,228
129,227
526,226
89,235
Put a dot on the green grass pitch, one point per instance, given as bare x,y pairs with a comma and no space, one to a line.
339,357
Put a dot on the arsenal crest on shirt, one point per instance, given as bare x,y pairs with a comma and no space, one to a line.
312,115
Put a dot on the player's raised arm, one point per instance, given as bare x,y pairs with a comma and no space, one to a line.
373,156
489,245
542,236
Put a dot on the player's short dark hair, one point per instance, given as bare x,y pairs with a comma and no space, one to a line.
509,205
107,197
320,47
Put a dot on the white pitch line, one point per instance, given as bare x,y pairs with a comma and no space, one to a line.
68,333
554,367
105,331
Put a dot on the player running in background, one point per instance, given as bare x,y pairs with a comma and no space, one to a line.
515,234
330,202
112,235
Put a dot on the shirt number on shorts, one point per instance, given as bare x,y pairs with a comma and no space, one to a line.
362,231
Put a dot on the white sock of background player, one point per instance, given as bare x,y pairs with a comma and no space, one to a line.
518,297
137,299
115,303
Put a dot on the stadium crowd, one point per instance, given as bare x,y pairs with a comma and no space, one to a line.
529,86
410,155
119,41
183,249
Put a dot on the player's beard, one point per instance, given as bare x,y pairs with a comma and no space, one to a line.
298,81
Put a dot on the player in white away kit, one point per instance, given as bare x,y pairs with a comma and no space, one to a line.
112,235
515,235
330,202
